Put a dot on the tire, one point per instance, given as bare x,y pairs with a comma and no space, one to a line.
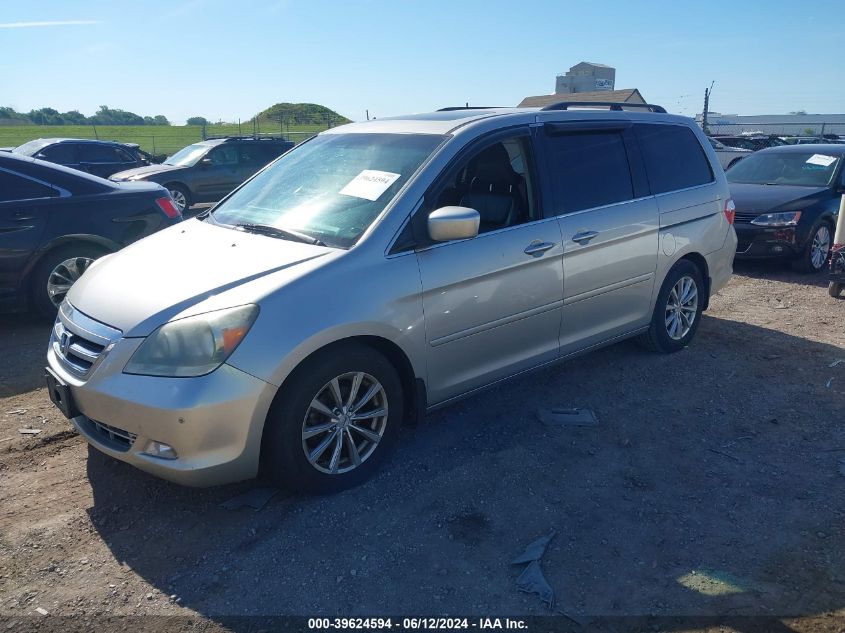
48,285
834,289
180,194
811,260
663,334
284,443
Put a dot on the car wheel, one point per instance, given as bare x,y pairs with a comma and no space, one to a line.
677,311
181,196
834,289
57,272
814,257
334,421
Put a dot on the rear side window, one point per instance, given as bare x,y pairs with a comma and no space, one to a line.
588,170
15,187
674,159
98,154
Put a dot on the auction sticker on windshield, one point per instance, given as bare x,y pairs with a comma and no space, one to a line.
817,159
369,184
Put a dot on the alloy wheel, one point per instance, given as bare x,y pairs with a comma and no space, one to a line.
820,247
681,308
179,198
344,423
64,276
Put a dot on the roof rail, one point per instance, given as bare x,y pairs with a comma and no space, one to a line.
613,105
452,108
247,137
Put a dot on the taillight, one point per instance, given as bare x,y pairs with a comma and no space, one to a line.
730,210
168,206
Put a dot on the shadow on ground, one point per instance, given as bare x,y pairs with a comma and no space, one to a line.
696,495
24,355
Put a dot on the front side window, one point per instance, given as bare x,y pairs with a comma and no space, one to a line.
803,169
674,159
61,153
224,156
588,170
496,181
330,188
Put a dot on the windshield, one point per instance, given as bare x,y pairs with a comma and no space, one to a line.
187,156
805,169
330,188
31,148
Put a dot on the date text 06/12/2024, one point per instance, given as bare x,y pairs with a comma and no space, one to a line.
417,623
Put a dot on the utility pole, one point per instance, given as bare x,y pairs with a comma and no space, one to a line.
368,114
707,92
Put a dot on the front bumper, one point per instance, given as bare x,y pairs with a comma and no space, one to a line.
764,241
213,422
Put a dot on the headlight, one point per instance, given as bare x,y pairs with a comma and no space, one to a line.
778,219
193,346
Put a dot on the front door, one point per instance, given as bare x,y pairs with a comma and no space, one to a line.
219,175
491,303
609,227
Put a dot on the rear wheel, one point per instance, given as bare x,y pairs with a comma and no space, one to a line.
57,272
677,312
815,254
336,419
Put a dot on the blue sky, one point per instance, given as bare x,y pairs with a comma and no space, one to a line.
228,60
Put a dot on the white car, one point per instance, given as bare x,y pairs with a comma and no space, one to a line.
728,156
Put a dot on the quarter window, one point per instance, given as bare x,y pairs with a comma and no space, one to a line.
674,159
588,170
14,187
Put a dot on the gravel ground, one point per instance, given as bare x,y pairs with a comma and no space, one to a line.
711,485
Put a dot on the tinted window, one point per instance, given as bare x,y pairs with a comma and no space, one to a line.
588,170
98,154
673,157
227,155
62,153
14,187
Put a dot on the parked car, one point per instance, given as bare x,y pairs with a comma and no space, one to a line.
728,156
787,202
207,171
750,142
55,221
384,268
803,140
100,158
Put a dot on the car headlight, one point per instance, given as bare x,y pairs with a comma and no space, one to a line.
193,346
789,218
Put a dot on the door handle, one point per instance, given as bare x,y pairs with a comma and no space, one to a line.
22,217
584,237
537,248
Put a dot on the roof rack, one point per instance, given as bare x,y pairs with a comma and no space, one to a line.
244,137
613,105
453,108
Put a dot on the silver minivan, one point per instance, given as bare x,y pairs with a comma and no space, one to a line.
384,268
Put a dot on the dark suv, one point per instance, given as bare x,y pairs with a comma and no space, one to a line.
100,158
208,170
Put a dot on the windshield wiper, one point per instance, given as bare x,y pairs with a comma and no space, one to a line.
274,231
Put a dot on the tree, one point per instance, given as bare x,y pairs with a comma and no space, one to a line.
160,119
197,120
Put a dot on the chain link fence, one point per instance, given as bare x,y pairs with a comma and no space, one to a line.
778,128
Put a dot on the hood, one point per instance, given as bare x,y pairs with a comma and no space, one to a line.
167,274
750,198
144,172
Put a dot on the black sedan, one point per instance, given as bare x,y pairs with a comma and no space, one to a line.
787,202
101,158
55,221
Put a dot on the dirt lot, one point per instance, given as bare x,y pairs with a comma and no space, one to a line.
712,485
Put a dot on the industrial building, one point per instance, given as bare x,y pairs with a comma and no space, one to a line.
586,77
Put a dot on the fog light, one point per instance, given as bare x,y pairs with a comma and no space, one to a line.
160,449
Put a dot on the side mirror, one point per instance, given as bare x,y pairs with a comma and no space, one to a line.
206,162
453,223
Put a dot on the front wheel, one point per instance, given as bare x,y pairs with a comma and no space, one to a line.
677,312
181,196
334,421
815,254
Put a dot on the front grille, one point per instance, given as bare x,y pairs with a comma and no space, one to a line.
79,341
744,217
111,436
